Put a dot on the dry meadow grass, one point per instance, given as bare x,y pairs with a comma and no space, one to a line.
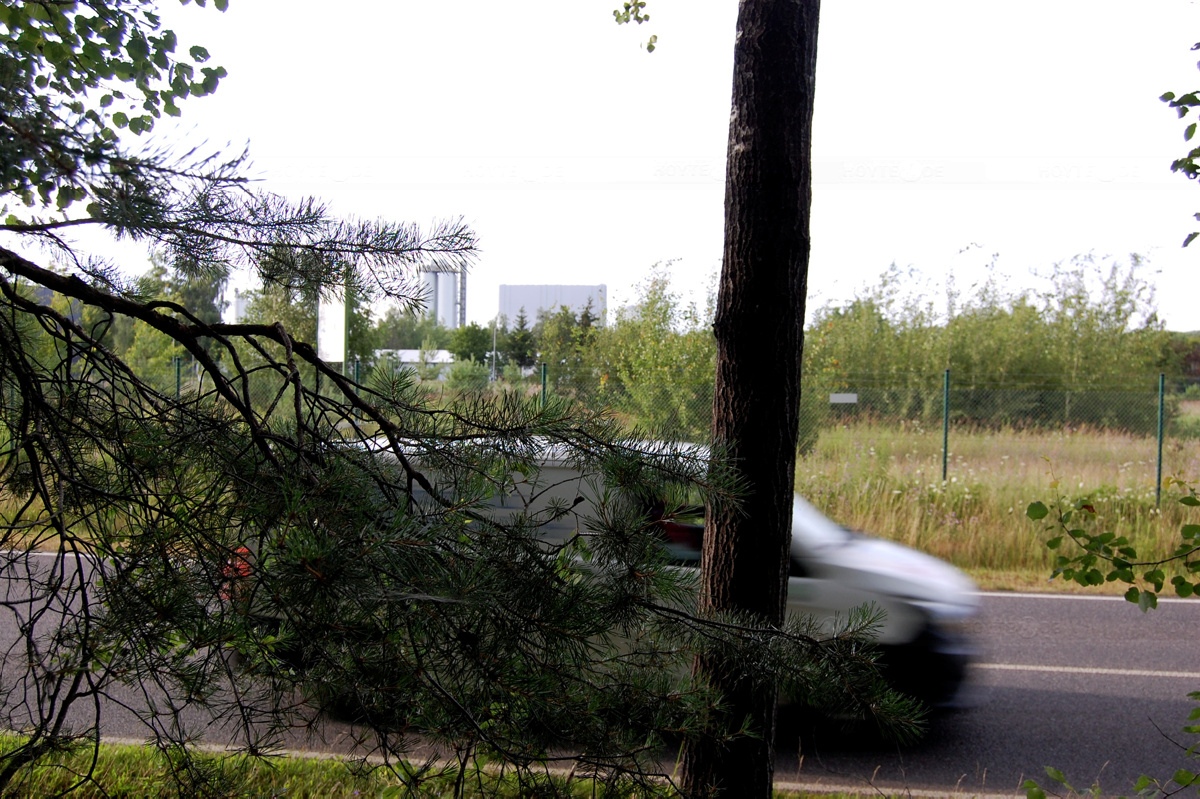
887,480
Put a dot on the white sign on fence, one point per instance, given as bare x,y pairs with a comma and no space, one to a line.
843,399
331,329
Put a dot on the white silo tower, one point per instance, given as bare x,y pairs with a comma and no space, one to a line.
444,295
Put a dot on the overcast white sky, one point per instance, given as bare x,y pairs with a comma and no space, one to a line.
1030,129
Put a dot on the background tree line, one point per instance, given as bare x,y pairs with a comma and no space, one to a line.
1062,355
1070,353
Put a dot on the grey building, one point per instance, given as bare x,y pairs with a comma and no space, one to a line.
445,297
534,298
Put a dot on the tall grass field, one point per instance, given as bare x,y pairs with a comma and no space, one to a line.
887,480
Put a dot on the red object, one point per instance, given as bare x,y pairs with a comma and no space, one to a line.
235,570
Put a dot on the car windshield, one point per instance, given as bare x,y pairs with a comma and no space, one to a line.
683,531
812,529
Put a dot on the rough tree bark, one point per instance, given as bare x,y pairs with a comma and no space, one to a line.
759,330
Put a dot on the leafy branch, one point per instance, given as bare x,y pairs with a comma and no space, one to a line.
634,11
1106,557
1188,164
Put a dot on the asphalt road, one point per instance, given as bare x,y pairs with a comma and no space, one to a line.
1089,685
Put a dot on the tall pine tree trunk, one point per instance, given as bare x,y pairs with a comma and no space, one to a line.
759,330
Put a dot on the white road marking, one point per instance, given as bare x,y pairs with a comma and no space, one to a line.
870,788
1090,597
1181,675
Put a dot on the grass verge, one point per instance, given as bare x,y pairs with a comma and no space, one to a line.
127,771
124,771
887,480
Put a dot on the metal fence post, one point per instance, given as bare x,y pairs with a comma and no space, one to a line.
543,405
347,315
945,423
178,376
70,358
1162,383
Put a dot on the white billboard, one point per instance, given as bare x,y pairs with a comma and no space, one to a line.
331,329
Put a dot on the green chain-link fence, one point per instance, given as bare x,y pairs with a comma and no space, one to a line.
1164,416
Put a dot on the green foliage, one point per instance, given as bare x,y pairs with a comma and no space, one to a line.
72,75
429,368
1016,359
1034,791
471,342
468,376
408,329
1185,427
652,365
634,11
1100,557
565,346
518,344
155,355
1189,164
1185,353
656,362
1071,358
295,307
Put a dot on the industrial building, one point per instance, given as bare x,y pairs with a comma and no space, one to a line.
534,298
445,297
